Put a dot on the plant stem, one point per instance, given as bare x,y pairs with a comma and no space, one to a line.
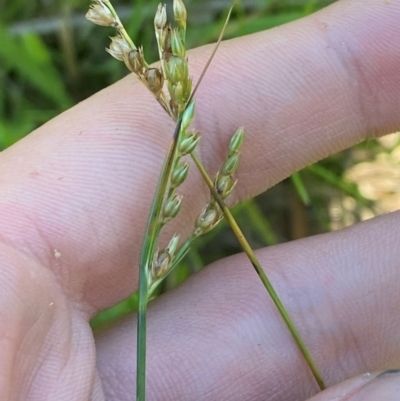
148,249
141,341
257,266
120,27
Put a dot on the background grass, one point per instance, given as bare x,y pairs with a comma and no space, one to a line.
51,58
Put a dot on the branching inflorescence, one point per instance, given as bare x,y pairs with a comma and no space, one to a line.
171,85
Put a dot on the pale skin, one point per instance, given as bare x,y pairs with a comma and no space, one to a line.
74,201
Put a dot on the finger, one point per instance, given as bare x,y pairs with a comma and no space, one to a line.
75,195
46,345
219,336
304,90
382,386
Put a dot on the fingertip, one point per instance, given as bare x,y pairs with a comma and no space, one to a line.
382,386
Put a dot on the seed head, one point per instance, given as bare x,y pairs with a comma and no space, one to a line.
179,174
176,93
224,185
231,165
173,245
188,115
236,141
178,47
134,60
155,80
119,48
160,19
177,70
188,143
161,264
166,40
180,13
100,14
171,207
187,90
209,217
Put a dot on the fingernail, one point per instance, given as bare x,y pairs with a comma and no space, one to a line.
385,386
388,372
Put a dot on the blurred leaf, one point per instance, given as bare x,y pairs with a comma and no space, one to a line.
210,32
337,181
29,57
116,312
310,7
259,222
300,188
12,130
261,23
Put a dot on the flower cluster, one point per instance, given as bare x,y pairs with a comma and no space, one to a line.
171,85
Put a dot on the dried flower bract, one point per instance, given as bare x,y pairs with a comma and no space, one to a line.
100,14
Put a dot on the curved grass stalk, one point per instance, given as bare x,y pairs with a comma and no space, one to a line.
263,277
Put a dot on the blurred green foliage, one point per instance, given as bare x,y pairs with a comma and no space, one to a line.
52,58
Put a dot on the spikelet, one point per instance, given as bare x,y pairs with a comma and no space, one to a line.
224,184
100,14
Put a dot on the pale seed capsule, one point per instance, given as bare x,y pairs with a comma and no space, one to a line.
171,207
207,220
173,245
180,13
236,141
100,14
224,185
134,61
166,41
231,165
179,174
178,47
119,48
177,69
188,143
161,264
155,80
160,20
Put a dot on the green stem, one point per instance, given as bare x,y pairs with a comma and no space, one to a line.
257,266
160,53
148,249
120,27
141,342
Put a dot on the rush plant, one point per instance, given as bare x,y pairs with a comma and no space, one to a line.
172,87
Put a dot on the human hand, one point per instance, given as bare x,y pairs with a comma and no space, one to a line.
74,201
